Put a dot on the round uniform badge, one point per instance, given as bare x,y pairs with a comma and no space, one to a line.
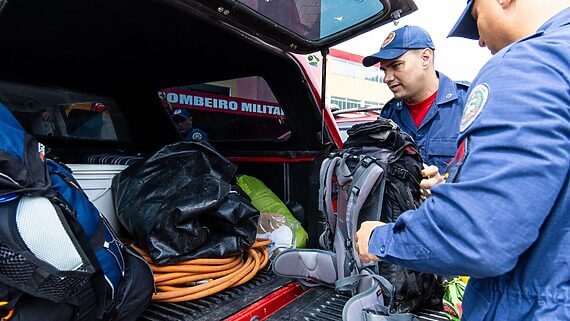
475,104
389,39
196,136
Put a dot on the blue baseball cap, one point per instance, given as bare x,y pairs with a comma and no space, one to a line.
180,114
398,42
466,25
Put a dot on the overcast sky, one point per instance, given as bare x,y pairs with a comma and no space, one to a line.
458,58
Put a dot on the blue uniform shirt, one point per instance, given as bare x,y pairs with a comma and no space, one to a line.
504,216
437,135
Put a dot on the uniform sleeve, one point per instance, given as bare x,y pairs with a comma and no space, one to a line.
204,135
518,155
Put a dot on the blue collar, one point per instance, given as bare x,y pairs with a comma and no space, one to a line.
557,21
446,92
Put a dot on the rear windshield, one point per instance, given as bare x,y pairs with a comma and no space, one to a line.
59,112
316,19
242,109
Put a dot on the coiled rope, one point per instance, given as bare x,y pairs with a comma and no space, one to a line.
198,278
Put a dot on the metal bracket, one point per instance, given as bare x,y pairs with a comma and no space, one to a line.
396,15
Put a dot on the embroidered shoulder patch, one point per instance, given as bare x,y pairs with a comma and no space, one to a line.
196,136
475,104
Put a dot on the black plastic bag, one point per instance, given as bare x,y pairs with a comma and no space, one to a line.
180,204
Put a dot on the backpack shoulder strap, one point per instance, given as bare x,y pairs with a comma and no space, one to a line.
325,200
366,175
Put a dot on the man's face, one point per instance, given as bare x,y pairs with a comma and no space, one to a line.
45,116
404,75
490,17
184,125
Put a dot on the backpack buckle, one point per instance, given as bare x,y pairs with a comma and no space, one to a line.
366,161
351,265
398,172
348,244
355,190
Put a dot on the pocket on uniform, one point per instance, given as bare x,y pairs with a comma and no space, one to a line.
442,147
476,304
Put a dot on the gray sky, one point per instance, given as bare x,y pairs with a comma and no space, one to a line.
458,58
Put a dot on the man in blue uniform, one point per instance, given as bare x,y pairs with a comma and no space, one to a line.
183,121
503,215
427,104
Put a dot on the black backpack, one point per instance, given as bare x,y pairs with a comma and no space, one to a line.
375,177
59,258
398,154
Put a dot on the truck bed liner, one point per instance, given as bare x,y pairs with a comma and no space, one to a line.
316,304
218,306
323,304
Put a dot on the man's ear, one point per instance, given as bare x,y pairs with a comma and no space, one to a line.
504,3
426,56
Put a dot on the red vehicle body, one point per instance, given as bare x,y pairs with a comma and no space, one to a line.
345,119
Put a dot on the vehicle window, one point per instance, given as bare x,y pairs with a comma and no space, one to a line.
345,103
316,19
230,110
58,112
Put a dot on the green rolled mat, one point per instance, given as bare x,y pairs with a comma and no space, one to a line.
453,298
267,202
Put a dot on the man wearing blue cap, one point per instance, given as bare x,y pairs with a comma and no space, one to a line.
183,121
503,215
427,104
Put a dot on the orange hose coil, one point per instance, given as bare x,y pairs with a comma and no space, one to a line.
178,282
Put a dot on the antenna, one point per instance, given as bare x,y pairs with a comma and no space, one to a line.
325,53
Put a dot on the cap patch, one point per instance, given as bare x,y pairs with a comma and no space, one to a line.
389,39
177,112
475,103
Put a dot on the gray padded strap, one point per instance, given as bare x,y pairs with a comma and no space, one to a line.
343,257
322,177
344,178
365,177
369,304
316,265
324,238
349,283
328,207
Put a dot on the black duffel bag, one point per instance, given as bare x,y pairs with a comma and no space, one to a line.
180,204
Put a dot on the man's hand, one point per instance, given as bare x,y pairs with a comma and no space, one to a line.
433,177
362,237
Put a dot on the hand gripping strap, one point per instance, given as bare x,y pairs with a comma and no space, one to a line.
316,265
